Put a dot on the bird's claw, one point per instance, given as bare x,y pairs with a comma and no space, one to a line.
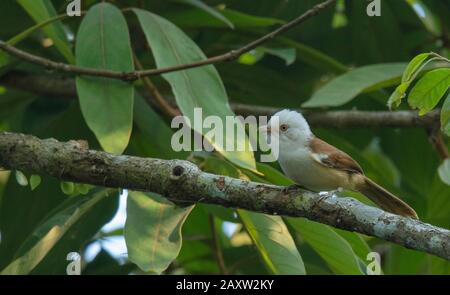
330,194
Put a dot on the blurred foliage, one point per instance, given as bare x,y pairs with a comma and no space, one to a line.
340,59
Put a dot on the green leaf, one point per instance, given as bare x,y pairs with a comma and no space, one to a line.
67,188
444,171
445,116
50,232
35,180
103,42
269,233
43,10
274,243
334,249
356,241
153,230
211,11
198,18
194,88
396,97
347,86
427,92
21,178
414,65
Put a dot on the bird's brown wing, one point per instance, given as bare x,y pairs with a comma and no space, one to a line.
332,157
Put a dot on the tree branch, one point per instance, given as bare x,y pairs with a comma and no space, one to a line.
130,76
180,180
64,87
352,118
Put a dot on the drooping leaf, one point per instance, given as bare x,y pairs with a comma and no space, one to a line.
103,42
49,233
444,171
428,91
208,9
334,249
274,242
43,10
84,231
357,242
269,233
347,86
199,88
153,230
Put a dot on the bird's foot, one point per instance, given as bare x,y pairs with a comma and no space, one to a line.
330,194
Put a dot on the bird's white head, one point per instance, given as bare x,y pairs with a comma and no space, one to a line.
290,129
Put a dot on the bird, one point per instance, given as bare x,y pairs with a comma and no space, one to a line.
320,167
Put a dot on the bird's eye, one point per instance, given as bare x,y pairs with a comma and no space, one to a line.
284,127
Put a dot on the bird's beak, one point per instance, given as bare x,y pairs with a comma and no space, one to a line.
265,128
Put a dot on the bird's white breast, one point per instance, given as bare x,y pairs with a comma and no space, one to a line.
299,165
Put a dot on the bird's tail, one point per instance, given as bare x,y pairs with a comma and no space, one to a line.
384,199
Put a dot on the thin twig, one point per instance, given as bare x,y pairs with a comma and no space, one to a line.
437,141
134,75
155,94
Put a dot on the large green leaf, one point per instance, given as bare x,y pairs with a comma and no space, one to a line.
347,86
269,233
103,42
428,91
274,242
194,88
153,230
357,242
333,248
41,11
50,232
